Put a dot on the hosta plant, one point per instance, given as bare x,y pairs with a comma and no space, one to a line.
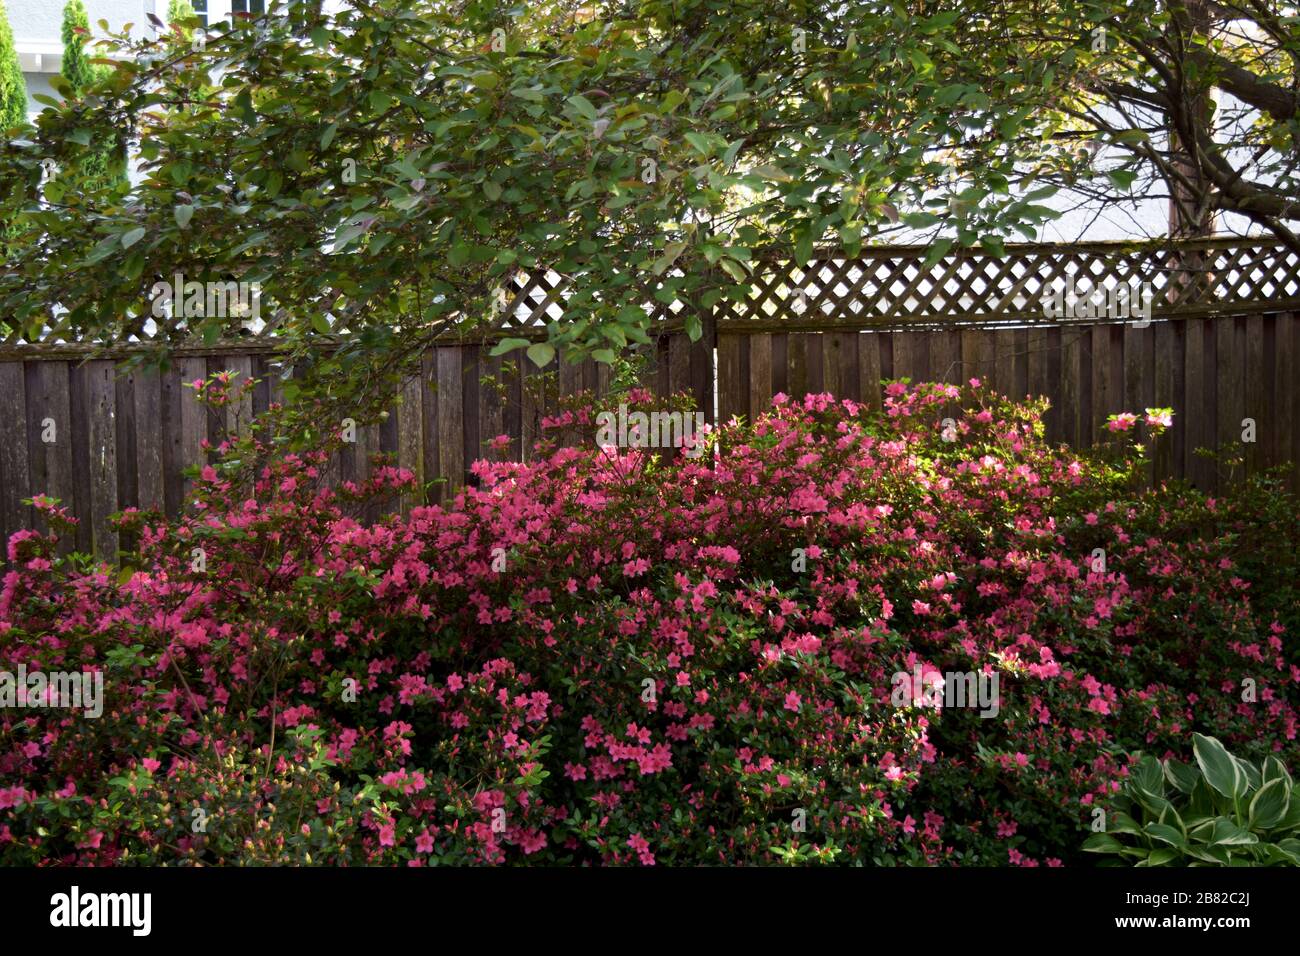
1224,811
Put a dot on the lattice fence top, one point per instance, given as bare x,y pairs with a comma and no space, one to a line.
1031,284
893,287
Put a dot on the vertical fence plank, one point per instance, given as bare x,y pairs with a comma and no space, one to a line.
146,395
1038,382
79,401
532,400
1164,395
1071,384
429,389
1037,348
832,364
410,435
127,478
1294,398
797,365
816,358
702,367
945,356
239,414
733,394
849,375
1286,374
193,417
869,368
1255,390
977,355
1134,373
904,358
101,412
1105,390
679,366
1231,395
170,389
780,363
491,402
451,443
760,373
1004,362
471,369
512,371
15,475
1194,422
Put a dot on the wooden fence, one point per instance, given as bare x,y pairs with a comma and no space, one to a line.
1222,346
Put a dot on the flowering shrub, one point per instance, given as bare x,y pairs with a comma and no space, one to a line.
618,657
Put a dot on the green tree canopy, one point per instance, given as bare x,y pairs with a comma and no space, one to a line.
382,171
179,11
105,165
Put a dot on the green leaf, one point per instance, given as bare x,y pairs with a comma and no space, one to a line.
694,329
1161,857
1217,855
491,189
132,236
1226,833
1149,775
919,220
774,173
507,345
1120,822
1269,805
937,251
803,248
582,106
1122,179
541,353
1102,843
1182,776
994,246
183,215
1275,769
700,143
1165,834
1220,770
734,269
320,323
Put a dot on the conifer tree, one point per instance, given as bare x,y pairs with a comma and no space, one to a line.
13,87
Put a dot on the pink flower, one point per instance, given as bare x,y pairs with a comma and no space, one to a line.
1159,417
1122,422
793,701
638,843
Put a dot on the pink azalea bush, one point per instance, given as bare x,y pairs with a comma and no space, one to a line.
606,657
